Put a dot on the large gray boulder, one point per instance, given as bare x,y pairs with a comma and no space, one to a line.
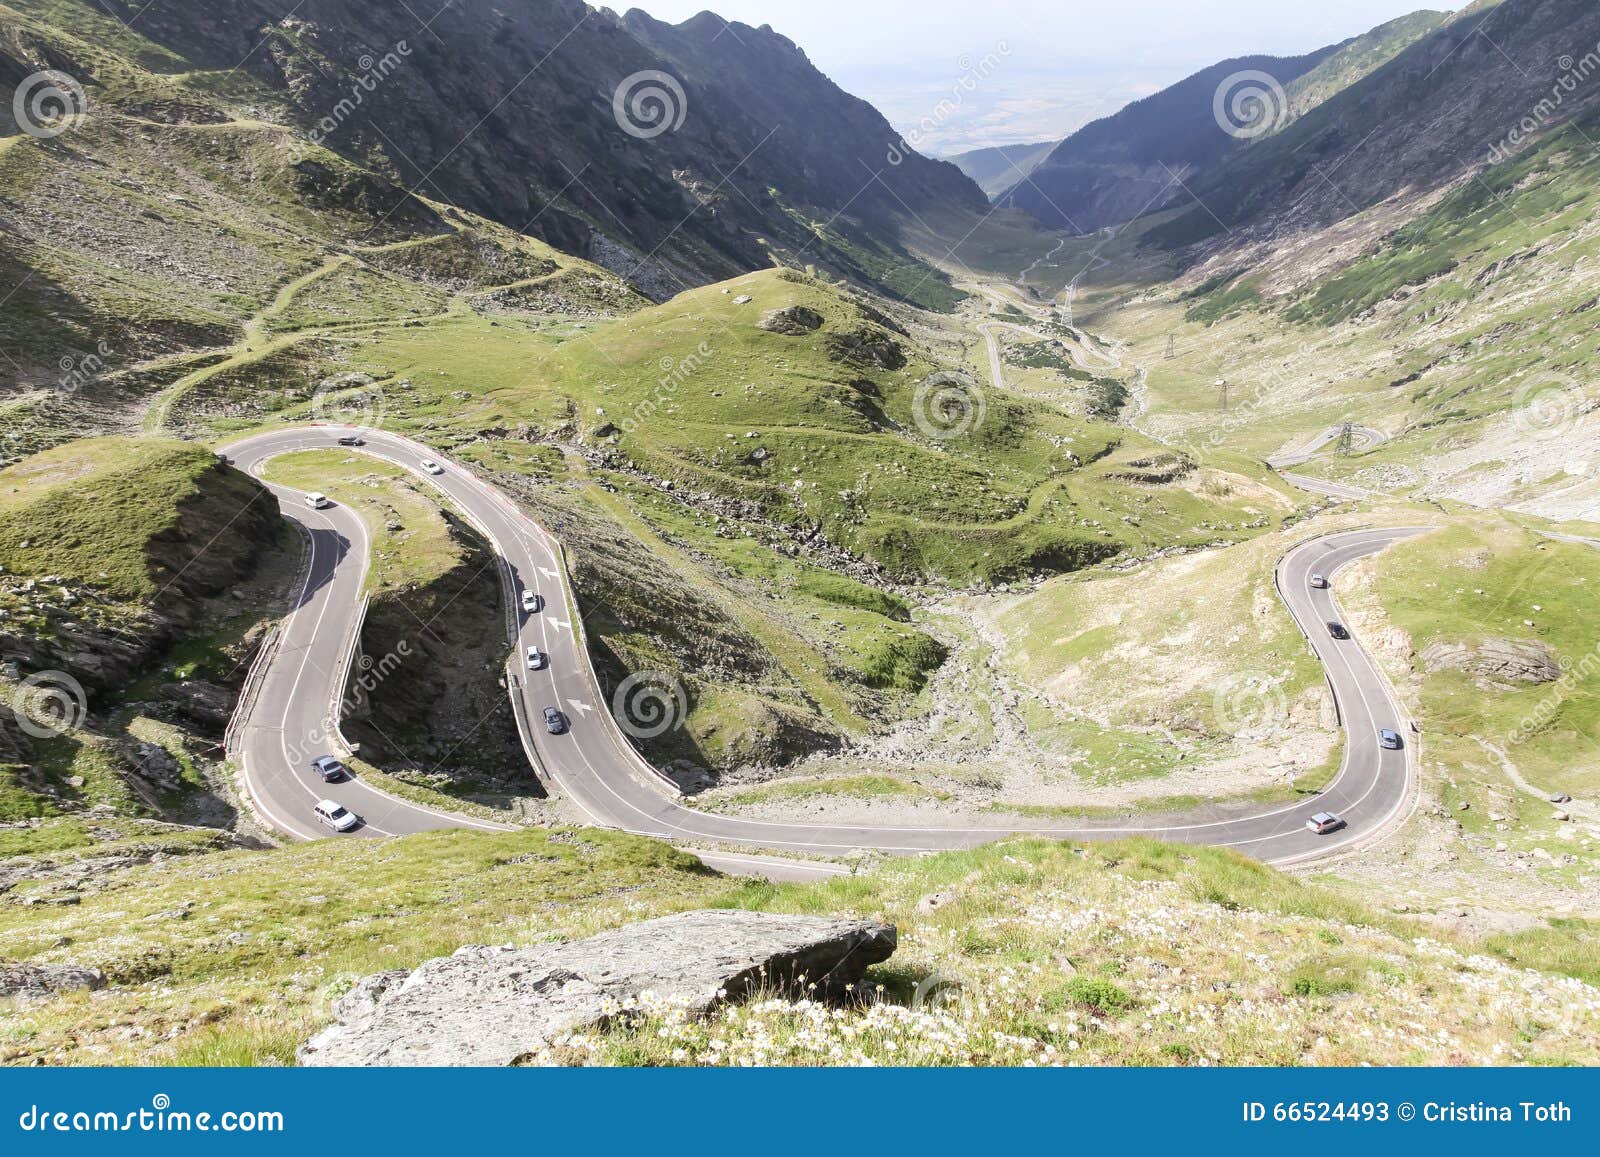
795,321
35,983
501,1006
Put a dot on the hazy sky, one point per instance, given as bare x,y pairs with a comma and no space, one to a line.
1053,64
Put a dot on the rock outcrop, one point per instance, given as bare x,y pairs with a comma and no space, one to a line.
795,321
866,349
1495,660
502,1006
33,983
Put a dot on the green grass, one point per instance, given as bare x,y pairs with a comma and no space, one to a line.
89,510
1098,994
900,660
1217,302
1547,190
1483,580
52,836
245,976
1139,687
1327,976
865,787
840,446
1566,945
68,839
1050,942
417,551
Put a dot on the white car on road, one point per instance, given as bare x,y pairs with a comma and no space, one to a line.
537,659
336,816
531,602
431,466
318,501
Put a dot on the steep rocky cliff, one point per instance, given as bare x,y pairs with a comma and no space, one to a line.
674,155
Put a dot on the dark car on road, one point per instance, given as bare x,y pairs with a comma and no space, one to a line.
329,768
554,722
352,440
1338,630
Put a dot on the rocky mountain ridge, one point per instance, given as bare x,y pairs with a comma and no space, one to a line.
1139,160
675,155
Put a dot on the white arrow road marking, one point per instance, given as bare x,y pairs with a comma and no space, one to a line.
548,573
561,624
580,707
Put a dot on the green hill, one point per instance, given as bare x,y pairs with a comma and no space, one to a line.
128,573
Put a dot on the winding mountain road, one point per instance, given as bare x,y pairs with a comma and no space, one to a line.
291,715
1362,438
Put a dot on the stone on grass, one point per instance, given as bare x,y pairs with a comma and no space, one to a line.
503,1006
794,321
34,983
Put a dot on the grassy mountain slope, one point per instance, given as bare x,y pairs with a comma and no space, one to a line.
1473,91
127,570
845,450
1207,692
1128,953
182,214
510,115
1462,331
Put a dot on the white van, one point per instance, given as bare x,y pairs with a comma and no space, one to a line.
318,501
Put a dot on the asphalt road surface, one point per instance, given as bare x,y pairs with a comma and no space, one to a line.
1325,488
1362,438
289,720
